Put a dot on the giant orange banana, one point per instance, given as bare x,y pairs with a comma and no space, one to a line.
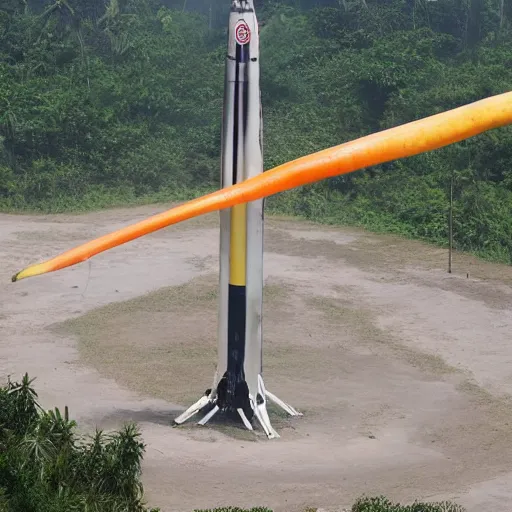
402,141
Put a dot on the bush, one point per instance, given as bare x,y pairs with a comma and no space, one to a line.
235,509
46,467
382,504
364,504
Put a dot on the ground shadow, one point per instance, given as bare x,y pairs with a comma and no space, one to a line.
164,416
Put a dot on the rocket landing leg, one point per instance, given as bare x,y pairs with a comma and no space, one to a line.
208,405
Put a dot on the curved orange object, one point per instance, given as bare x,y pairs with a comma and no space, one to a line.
402,141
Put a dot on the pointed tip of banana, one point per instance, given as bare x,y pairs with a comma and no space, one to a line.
32,271
19,276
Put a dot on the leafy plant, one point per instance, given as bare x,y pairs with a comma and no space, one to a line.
46,467
236,509
382,504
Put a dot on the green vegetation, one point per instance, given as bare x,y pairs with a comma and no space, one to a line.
105,102
376,504
382,504
236,509
46,467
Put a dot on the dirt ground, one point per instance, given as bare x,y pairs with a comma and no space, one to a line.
403,372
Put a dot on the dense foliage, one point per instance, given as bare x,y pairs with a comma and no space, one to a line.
114,100
46,467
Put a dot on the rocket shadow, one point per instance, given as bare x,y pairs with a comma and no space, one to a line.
221,423
156,416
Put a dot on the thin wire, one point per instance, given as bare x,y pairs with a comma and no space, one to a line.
88,279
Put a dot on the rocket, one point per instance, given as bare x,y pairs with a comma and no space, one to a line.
241,234
241,238
238,387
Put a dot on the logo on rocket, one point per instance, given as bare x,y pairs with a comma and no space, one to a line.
242,33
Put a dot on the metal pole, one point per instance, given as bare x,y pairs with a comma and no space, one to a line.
450,228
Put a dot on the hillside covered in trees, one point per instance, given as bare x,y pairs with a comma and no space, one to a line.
105,101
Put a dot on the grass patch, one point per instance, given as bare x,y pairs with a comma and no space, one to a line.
162,344
340,313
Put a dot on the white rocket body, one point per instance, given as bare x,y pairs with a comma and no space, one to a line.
239,387
243,28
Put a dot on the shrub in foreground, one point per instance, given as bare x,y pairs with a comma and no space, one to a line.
46,467
364,504
382,504
236,509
